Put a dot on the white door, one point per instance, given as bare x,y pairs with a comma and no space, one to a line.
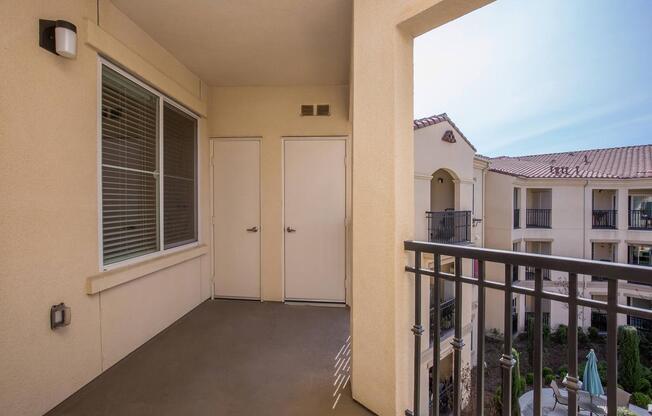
236,223
314,206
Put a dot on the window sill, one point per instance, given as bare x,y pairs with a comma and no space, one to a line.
108,279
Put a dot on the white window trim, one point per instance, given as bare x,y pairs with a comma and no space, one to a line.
102,62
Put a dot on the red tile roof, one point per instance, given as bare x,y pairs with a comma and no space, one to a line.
421,123
612,163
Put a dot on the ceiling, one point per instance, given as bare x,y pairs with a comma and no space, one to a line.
252,42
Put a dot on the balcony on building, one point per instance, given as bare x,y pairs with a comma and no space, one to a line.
640,209
640,255
539,208
537,247
449,227
603,251
604,212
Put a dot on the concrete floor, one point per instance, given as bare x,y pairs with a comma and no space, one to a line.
231,358
548,402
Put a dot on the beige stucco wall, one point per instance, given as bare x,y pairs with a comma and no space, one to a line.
49,206
571,233
273,113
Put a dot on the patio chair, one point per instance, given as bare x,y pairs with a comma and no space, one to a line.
622,398
557,394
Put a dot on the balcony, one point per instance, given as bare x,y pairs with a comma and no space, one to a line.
517,218
219,359
642,324
530,273
446,318
449,227
538,217
640,219
604,218
572,300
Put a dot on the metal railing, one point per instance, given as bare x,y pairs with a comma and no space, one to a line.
599,321
640,219
604,218
529,317
530,273
449,227
641,324
537,217
517,218
446,316
573,267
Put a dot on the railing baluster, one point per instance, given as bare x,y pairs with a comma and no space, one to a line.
538,341
458,342
507,361
417,330
436,345
572,377
480,336
612,345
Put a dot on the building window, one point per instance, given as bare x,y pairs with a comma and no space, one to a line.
640,255
142,134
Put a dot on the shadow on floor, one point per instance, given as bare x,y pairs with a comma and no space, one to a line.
232,358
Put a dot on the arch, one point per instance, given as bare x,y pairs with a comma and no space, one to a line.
443,190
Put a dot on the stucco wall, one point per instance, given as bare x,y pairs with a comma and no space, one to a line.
273,113
49,206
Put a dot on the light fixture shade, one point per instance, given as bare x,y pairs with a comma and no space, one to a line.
65,36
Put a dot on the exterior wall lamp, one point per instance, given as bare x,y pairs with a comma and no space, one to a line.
58,37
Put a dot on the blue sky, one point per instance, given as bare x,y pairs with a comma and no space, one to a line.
541,76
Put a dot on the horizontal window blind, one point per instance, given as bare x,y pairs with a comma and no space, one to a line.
179,181
130,220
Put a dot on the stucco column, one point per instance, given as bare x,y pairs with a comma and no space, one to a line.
383,208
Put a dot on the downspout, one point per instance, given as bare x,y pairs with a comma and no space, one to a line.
484,199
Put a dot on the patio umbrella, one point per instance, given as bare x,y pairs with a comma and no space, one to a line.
591,382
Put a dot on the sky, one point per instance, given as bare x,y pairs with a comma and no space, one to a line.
540,76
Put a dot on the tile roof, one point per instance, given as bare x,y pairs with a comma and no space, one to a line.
612,163
421,123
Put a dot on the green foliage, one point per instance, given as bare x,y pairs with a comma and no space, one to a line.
529,379
517,385
547,371
560,335
602,372
630,371
582,339
644,386
548,379
580,371
530,341
562,371
647,374
594,334
640,399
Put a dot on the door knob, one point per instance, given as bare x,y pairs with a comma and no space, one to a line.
290,230
253,229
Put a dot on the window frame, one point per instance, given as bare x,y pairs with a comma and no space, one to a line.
162,100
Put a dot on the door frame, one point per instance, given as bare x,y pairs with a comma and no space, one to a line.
347,212
212,141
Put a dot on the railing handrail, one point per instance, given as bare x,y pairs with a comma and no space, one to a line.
572,266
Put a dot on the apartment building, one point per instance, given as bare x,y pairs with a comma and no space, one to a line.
593,204
449,195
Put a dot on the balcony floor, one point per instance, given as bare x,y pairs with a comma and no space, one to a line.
230,357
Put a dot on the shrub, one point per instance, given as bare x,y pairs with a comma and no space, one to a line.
640,399
594,334
548,379
630,371
561,334
602,372
547,371
582,339
644,386
529,379
580,371
562,370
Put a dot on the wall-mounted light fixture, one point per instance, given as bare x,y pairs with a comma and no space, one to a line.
58,37
440,180
59,316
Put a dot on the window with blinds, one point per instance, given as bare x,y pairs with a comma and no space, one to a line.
144,212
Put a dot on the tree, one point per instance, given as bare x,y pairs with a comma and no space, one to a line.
518,388
630,371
